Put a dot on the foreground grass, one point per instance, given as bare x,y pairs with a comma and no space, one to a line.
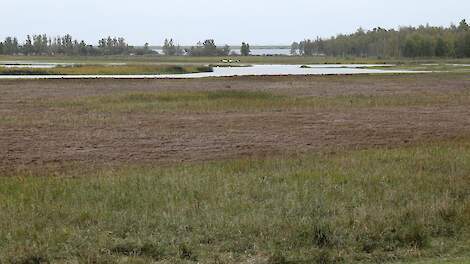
239,100
379,205
107,70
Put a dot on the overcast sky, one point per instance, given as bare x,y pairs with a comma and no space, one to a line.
226,21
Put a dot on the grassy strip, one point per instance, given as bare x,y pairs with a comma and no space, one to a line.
361,206
420,67
107,70
7,120
238,100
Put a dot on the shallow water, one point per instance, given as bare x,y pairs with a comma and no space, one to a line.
255,70
266,52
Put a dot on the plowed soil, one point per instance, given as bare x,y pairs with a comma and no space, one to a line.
31,136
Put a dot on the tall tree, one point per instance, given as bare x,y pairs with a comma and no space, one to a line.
28,46
245,49
209,47
463,25
169,47
294,48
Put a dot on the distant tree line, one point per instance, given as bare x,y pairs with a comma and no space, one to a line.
411,42
66,45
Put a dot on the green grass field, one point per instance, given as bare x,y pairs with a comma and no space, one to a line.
378,205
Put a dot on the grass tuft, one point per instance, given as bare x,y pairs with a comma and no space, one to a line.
139,250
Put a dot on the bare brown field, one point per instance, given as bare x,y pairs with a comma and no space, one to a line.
347,112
